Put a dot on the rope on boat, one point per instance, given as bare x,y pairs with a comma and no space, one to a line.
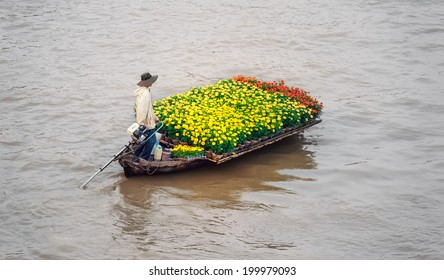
149,172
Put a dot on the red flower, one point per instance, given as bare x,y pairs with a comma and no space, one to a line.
300,95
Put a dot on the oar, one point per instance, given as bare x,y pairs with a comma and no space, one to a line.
105,166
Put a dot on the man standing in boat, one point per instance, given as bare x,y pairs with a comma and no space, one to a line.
145,114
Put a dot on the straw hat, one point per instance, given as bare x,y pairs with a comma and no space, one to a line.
146,79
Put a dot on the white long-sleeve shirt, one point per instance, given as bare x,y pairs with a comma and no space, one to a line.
144,108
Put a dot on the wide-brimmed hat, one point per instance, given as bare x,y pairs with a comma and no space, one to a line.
146,79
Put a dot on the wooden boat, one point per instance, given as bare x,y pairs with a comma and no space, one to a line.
132,168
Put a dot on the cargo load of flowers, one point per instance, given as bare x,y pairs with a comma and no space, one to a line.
228,116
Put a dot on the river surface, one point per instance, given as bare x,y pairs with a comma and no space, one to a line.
366,183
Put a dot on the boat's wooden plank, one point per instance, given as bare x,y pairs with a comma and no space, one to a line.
266,142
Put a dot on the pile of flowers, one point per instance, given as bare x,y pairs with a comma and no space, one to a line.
221,116
186,151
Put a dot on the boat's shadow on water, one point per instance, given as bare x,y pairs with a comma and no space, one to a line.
227,181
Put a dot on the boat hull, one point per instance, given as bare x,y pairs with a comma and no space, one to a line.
132,168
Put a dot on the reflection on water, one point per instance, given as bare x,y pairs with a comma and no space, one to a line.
202,209
226,182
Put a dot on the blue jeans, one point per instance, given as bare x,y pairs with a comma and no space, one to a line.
145,151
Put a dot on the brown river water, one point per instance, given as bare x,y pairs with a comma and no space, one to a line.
366,183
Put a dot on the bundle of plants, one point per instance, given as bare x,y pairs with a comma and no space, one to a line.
221,116
186,151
